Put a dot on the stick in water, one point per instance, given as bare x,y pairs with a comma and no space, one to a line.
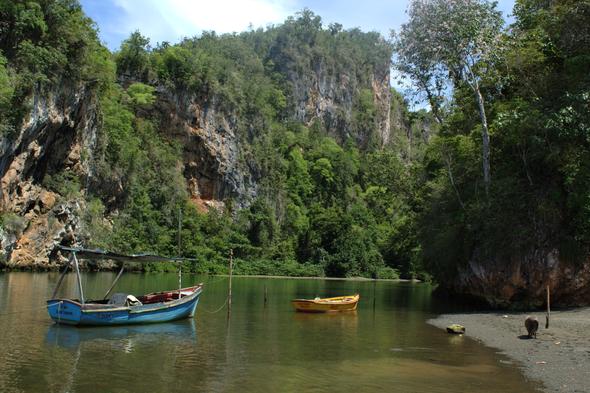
265,295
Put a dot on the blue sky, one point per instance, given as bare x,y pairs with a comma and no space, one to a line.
171,20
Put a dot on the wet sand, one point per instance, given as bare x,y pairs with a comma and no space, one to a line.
559,357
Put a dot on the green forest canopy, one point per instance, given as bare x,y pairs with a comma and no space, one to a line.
326,206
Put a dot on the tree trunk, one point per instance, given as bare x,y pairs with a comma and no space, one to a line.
434,107
485,138
452,179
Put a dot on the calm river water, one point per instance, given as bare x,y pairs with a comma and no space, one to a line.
385,346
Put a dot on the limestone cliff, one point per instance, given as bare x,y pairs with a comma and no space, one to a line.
329,96
59,131
58,137
211,151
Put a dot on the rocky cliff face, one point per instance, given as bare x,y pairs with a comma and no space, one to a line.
59,131
329,97
211,152
58,137
521,282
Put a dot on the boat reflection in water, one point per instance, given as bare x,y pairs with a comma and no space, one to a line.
337,323
124,337
346,319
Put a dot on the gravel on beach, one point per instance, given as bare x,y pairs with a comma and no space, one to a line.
559,357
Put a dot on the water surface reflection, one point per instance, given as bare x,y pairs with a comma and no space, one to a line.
116,337
385,345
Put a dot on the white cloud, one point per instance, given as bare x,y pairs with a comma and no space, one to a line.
171,20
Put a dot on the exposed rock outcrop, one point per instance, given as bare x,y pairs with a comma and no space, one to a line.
60,126
521,282
212,149
211,153
60,129
35,248
321,94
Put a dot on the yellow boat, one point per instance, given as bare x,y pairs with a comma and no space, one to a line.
342,303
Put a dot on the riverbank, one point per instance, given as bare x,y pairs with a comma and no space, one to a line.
321,278
559,357
131,269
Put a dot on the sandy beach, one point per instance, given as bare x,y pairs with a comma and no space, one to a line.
559,357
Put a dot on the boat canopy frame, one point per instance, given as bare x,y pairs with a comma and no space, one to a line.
85,253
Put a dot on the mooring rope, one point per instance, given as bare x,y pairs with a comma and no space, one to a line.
219,309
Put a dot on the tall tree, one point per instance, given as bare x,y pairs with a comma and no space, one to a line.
132,59
452,40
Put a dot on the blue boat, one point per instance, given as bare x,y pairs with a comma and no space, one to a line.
121,308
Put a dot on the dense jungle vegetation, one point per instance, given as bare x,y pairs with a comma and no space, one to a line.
328,204
532,84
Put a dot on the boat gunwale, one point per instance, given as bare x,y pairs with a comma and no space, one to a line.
331,300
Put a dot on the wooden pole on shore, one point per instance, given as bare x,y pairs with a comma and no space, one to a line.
548,308
231,266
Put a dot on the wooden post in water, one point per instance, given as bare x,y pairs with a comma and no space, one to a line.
548,308
231,266
265,295
374,294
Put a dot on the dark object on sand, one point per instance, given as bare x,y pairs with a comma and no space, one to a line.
456,329
532,325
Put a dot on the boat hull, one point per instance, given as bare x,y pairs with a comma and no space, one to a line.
344,303
71,312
